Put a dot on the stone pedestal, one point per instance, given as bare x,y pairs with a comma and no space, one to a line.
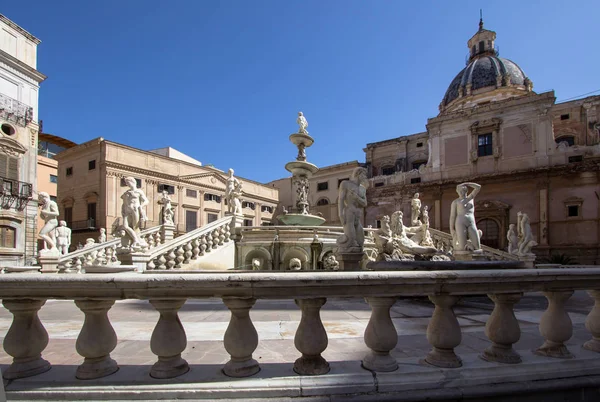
49,262
463,255
528,260
167,232
128,258
237,221
350,261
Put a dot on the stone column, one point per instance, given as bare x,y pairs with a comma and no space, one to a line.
543,226
502,328
556,326
168,340
592,323
96,340
311,338
437,208
26,339
380,336
443,333
241,339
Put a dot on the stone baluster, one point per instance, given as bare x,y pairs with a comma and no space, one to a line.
171,256
215,238
203,244
96,340
151,265
380,336
556,326
158,238
311,338
162,262
502,328
592,323
241,339
443,333
195,248
221,235
168,340
187,253
227,232
26,339
179,258
150,241
78,264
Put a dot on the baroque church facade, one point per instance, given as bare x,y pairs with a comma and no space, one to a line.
529,153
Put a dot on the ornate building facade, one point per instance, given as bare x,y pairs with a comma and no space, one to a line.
528,152
90,177
19,87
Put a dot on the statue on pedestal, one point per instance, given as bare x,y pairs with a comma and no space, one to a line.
462,218
133,213
526,241
49,214
167,209
102,236
302,190
513,239
415,205
331,263
63,237
351,202
233,194
302,123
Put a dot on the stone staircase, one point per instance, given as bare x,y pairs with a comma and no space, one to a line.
443,240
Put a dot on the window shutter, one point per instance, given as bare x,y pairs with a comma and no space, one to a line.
3,166
13,168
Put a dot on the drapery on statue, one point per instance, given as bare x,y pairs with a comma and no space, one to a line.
63,237
49,214
132,211
415,210
233,194
462,218
352,200
526,242
302,123
513,239
167,209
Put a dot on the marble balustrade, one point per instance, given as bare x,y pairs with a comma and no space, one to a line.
25,294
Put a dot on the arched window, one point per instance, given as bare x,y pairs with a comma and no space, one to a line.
569,139
323,201
388,170
491,232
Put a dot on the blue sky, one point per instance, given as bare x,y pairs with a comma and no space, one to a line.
223,80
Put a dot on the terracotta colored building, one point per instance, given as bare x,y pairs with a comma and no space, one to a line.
528,152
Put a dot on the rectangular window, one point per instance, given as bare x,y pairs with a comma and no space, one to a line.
322,186
481,46
53,178
564,116
266,208
415,180
576,158
247,204
138,183
91,214
341,180
419,144
212,197
191,220
70,171
92,165
484,145
379,184
53,198
68,216
191,193
165,187
378,224
388,171
248,222
7,236
573,210
211,217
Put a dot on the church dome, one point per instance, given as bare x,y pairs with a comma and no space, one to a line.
485,72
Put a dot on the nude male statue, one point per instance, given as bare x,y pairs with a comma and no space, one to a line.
49,214
233,192
462,218
132,210
63,237
352,201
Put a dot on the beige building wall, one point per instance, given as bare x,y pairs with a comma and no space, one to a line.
92,173
47,179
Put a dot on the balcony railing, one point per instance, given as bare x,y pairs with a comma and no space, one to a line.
24,294
82,225
15,111
15,188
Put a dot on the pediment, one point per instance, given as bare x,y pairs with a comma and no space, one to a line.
11,147
208,179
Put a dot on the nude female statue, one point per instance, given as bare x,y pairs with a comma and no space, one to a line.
132,210
462,218
415,206
513,239
352,201
526,241
49,214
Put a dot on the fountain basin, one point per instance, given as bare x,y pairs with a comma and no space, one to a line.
442,265
301,168
304,139
301,220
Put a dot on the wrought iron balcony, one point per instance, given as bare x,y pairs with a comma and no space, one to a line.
15,111
83,225
14,193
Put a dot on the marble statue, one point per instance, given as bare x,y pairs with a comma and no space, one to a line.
513,239
462,218
63,237
233,194
526,241
102,236
256,264
400,233
415,209
302,123
167,209
352,201
49,214
295,264
331,263
301,152
133,212
425,215
89,243
302,190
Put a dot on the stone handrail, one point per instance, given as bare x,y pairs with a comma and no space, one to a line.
190,246
24,294
103,253
493,254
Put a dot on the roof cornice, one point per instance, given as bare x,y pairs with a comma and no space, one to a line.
20,67
19,29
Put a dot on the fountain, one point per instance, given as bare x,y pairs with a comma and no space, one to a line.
301,171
